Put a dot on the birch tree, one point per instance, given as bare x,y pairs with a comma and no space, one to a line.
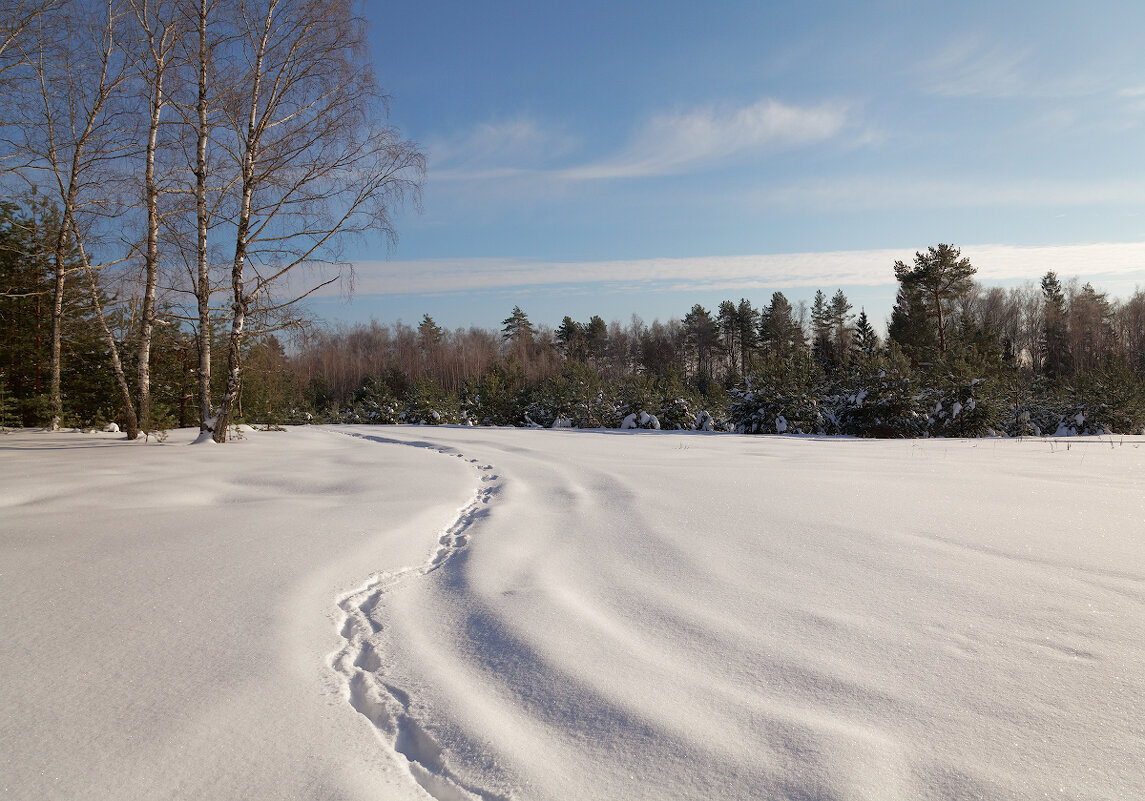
203,40
152,54
315,158
19,21
72,137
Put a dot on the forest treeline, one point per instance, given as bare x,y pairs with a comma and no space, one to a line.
958,359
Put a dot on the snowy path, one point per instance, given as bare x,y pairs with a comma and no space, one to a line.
667,616
361,666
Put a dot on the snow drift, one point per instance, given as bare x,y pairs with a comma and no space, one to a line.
535,614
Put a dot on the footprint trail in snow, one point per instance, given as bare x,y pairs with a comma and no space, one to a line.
360,665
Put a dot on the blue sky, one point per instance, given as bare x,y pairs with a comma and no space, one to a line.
618,158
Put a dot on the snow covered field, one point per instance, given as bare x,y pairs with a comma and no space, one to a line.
391,612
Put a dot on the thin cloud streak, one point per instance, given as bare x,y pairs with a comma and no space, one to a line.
891,191
677,143
970,67
494,150
668,144
733,273
980,66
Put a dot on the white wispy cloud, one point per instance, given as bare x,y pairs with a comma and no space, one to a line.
1133,97
499,149
670,143
969,67
867,192
1008,69
685,141
734,273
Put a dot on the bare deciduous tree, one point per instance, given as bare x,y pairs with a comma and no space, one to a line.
19,20
315,159
72,137
203,39
152,55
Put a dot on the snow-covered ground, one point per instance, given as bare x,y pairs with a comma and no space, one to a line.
401,613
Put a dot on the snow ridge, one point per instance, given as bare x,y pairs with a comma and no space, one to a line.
360,666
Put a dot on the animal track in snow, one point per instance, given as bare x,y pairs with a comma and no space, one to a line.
359,665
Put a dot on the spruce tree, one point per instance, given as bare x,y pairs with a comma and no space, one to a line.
1055,333
821,346
866,341
596,336
1090,329
702,337
728,320
840,314
5,403
26,324
429,334
570,335
779,333
910,326
748,320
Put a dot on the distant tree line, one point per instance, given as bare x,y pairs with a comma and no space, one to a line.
959,360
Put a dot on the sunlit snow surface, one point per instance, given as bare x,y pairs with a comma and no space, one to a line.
400,613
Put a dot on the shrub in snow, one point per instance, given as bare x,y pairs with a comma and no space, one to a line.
676,414
637,398
1035,411
878,403
657,403
1021,423
297,417
429,404
705,422
973,409
784,398
641,420
497,398
897,403
1110,401
771,410
1080,421
576,394
374,402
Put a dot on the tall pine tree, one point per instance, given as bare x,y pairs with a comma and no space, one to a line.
937,279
